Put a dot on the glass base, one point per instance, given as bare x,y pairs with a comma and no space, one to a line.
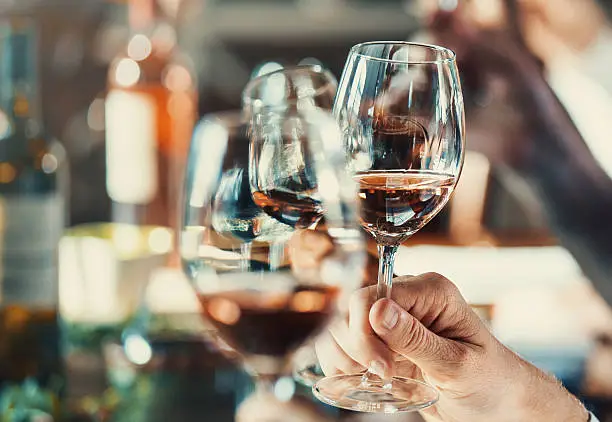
350,392
308,375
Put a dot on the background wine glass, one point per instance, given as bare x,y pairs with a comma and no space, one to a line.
235,214
263,312
281,175
271,100
400,108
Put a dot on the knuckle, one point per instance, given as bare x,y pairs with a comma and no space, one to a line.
435,277
442,283
462,355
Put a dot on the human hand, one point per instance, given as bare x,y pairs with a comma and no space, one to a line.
427,331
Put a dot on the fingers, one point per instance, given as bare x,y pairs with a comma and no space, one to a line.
407,336
352,346
438,305
427,322
365,348
333,359
359,307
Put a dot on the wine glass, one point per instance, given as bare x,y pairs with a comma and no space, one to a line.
261,311
286,90
400,108
271,101
282,176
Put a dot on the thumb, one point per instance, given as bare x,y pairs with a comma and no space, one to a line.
407,336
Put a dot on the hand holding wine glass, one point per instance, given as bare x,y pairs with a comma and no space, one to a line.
400,108
429,332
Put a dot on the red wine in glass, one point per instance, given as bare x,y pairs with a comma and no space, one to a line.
270,324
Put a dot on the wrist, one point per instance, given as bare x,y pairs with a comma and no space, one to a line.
544,399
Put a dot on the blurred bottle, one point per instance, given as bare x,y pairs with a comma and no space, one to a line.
150,114
32,218
150,110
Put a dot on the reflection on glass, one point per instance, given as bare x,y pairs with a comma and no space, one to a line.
299,87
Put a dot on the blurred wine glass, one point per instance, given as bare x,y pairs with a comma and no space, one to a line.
282,174
265,312
281,178
400,108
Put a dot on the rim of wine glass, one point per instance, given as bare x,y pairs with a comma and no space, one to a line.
447,55
247,101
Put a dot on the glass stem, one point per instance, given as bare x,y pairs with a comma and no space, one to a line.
277,254
386,259
245,260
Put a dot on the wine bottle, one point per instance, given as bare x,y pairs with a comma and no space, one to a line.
150,114
32,218
150,111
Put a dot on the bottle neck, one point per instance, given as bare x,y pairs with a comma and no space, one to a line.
19,88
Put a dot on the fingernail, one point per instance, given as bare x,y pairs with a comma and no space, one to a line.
390,316
378,368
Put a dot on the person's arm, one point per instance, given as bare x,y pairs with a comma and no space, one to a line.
574,189
428,331
553,158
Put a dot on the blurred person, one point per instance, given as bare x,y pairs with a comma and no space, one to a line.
574,41
516,119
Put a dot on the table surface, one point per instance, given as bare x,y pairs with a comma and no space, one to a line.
187,378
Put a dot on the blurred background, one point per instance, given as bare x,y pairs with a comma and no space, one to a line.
532,265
